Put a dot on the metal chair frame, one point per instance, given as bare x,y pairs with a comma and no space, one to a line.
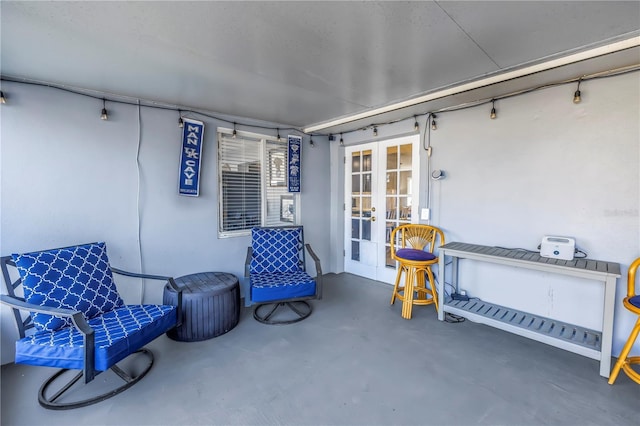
265,312
18,304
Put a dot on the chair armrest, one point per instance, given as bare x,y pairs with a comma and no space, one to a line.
76,316
247,262
139,275
170,280
316,260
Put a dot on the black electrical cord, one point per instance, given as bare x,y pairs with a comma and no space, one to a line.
149,104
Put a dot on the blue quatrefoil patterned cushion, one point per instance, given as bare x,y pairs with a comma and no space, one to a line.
116,333
77,278
275,250
268,287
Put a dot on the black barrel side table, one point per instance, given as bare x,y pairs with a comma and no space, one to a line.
210,305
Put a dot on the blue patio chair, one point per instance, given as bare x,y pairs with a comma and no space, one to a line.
277,279
78,321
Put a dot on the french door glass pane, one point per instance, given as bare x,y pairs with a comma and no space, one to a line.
398,192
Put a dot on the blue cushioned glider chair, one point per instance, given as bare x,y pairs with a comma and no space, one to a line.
277,279
78,321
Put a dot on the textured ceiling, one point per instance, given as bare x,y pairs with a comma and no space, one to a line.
296,63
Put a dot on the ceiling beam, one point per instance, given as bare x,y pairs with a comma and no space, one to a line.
497,78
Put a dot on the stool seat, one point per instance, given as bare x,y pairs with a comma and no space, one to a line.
412,246
632,303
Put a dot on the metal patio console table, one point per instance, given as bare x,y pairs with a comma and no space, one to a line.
210,305
595,344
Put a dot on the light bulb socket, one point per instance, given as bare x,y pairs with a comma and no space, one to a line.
180,122
311,143
375,131
577,97
434,126
103,114
493,114
3,100
341,140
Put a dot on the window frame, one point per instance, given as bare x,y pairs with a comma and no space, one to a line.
265,179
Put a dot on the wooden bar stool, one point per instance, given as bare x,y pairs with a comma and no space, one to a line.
412,246
632,303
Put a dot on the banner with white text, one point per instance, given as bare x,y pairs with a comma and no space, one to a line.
294,166
192,137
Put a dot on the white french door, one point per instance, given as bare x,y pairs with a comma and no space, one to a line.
381,192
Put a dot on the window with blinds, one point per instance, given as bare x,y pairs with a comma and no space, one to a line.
253,183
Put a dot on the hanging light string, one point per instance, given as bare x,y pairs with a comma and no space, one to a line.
126,100
577,98
431,114
121,99
180,120
103,114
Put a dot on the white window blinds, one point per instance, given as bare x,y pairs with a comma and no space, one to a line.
253,183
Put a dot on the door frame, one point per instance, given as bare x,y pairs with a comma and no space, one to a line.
379,271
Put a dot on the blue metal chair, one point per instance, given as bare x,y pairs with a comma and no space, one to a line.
78,321
277,279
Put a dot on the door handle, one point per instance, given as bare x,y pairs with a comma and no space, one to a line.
373,218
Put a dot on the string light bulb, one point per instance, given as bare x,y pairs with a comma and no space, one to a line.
434,126
180,121
493,114
577,96
375,131
279,134
235,133
416,126
3,100
103,114
311,142
341,140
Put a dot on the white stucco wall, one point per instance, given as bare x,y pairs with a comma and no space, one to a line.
545,166
68,177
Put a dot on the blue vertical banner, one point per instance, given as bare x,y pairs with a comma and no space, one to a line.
294,165
192,137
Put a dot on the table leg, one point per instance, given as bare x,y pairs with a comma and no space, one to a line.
441,285
607,326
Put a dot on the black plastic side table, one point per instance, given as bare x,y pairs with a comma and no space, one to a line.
210,305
